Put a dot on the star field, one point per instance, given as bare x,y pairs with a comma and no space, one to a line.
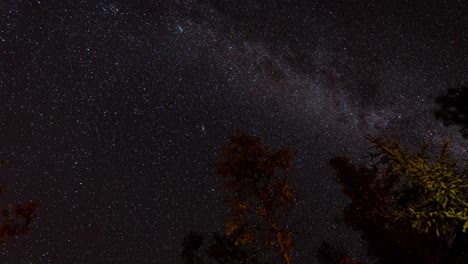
113,112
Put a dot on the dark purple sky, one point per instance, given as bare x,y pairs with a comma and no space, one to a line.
113,112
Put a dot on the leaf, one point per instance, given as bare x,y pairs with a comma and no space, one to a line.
465,226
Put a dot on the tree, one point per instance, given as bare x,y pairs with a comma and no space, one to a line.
454,108
16,219
260,194
329,254
191,245
410,208
221,249
440,204
367,213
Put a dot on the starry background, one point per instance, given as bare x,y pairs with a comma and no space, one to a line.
113,112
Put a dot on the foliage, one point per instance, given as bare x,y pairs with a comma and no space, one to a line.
221,249
224,250
409,207
440,189
192,243
454,108
16,219
259,192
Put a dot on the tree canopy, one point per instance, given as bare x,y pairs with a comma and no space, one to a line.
259,192
453,108
410,206
16,219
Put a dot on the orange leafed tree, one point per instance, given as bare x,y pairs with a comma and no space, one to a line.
16,219
260,193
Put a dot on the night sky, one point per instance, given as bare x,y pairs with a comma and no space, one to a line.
113,112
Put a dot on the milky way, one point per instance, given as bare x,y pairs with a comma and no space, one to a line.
113,112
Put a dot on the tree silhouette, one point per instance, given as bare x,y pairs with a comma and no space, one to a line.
410,209
259,193
454,108
220,249
224,250
328,254
191,245
16,219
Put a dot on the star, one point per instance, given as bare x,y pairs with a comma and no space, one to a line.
143,95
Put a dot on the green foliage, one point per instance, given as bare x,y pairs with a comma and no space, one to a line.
441,189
